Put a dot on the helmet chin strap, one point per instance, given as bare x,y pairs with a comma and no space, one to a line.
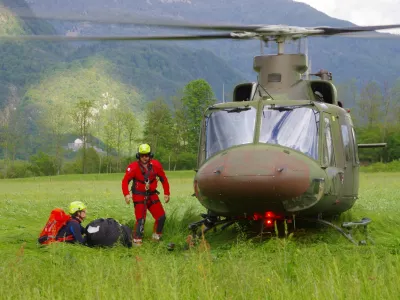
78,216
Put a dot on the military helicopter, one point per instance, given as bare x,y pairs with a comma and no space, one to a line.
284,149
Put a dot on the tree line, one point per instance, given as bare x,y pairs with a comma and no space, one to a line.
34,134
375,110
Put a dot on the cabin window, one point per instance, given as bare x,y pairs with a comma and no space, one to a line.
356,160
293,127
229,127
329,155
243,92
346,142
323,91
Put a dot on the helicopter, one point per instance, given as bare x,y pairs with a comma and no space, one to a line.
285,148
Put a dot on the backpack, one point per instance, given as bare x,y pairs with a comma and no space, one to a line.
107,232
58,218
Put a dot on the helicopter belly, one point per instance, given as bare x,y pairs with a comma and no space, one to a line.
254,179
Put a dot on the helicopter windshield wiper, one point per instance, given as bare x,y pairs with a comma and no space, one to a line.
236,109
230,109
288,107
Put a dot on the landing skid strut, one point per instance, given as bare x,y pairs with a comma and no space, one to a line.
348,229
209,222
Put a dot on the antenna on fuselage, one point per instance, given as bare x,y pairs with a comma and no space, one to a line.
223,93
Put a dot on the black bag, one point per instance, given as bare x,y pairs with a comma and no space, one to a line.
107,232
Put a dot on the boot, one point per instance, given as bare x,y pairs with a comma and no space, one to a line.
137,242
156,237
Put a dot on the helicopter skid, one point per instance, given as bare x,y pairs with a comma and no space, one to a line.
347,229
268,225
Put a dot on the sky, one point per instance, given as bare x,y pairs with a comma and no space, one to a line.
360,12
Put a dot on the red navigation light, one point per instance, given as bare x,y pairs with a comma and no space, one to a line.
269,214
257,216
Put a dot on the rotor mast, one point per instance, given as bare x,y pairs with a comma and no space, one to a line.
281,46
278,72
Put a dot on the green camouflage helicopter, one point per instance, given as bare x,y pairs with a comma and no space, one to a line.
285,148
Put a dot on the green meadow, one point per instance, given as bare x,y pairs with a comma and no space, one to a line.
312,263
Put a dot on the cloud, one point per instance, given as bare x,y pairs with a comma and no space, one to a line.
368,13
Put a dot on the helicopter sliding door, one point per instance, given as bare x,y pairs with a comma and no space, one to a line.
351,158
332,158
349,153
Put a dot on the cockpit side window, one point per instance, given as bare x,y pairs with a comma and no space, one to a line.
356,160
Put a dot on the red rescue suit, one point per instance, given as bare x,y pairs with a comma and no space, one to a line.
145,194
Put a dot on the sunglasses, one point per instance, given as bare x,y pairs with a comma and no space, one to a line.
144,155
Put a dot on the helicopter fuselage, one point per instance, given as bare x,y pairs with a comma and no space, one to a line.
286,157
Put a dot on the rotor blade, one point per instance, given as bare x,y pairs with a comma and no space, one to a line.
373,35
341,30
135,20
282,31
113,38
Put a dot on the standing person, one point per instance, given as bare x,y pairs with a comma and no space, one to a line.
144,173
73,232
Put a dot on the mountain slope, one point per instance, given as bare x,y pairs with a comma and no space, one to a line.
158,70
152,69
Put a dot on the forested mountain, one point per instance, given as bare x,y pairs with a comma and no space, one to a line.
162,70
153,69
346,58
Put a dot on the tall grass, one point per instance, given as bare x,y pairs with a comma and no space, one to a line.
311,264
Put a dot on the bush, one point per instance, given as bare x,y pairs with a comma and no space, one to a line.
43,164
74,167
16,169
393,166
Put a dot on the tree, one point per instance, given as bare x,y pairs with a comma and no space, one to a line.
12,128
370,108
197,96
158,129
82,115
348,93
53,121
132,129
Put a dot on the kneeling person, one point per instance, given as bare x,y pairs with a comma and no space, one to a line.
73,231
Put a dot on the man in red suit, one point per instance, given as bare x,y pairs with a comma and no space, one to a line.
143,173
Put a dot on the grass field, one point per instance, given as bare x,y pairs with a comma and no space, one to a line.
311,264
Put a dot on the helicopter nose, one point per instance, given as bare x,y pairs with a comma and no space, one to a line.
254,177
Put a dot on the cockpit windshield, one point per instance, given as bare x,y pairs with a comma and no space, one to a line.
229,127
295,127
